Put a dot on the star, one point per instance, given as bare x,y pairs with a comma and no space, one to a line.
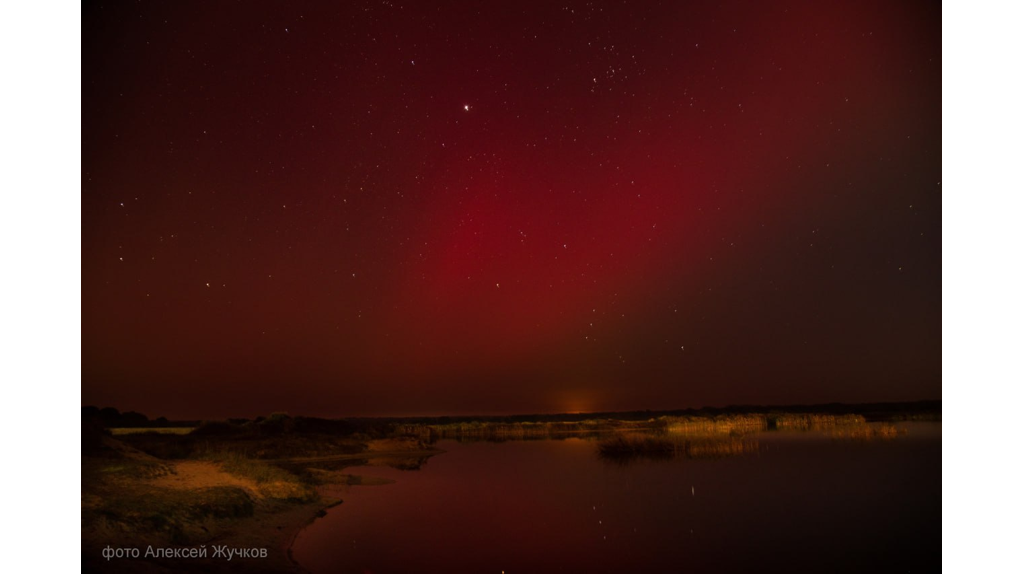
466,107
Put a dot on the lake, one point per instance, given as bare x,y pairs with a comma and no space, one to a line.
797,502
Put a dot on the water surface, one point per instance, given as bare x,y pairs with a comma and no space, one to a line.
802,501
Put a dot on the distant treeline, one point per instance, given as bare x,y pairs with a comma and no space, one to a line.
110,417
871,412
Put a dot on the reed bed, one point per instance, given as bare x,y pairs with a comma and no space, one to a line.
724,424
789,421
692,426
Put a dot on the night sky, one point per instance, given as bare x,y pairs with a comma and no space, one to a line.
391,208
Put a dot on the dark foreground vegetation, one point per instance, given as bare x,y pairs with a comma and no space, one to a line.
254,483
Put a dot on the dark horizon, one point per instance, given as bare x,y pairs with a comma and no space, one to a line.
511,207
904,407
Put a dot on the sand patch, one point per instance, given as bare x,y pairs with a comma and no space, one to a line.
189,475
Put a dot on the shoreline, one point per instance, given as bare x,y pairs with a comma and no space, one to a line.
175,489
320,513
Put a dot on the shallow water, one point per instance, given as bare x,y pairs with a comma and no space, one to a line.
803,501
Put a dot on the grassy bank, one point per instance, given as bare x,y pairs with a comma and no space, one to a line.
216,485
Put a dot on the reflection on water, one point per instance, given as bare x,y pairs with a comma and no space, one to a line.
845,498
731,436
627,447
868,432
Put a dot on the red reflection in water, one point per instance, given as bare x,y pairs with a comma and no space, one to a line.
552,506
